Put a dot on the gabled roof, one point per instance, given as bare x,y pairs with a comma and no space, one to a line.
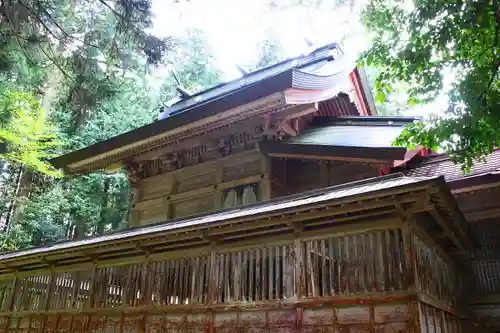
349,138
314,210
306,79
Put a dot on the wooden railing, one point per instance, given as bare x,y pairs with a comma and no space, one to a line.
436,277
327,267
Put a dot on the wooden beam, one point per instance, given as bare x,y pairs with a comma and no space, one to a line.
190,142
336,206
207,190
296,111
431,242
492,298
329,158
482,215
446,229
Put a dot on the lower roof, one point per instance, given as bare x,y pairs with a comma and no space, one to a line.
336,204
443,165
349,138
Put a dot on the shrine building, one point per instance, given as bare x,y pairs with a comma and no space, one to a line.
272,203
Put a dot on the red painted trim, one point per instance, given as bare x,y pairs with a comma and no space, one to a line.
359,94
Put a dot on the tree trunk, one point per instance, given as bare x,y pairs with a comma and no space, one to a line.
13,200
104,207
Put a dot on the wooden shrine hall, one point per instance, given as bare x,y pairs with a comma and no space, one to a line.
266,204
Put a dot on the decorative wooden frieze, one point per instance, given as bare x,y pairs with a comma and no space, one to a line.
202,152
174,137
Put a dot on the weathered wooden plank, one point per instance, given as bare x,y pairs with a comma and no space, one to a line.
258,276
251,279
271,281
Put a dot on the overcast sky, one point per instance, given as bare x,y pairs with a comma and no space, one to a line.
234,27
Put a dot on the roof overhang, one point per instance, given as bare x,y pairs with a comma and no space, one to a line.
313,213
366,139
308,79
335,153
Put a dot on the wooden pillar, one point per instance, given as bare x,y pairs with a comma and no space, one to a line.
135,216
92,287
265,192
146,283
415,313
128,281
48,297
11,301
411,273
212,283
411,261
218,195
300,279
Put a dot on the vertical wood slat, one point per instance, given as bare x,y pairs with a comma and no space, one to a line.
195,266
311,292
168,266
355,263
175,290
244,280
272,289
128,281
347,270
365,264
251,276
258,276
227,281
217,277
287,278
211,278
11,298
235,275
181,281
324,277
92,286
340,266
277,273
265,281
333,266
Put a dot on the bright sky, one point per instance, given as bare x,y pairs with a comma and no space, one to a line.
234,27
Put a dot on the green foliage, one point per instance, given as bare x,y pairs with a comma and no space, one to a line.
90,68
394,103
416,42
192,63
24,132
71,73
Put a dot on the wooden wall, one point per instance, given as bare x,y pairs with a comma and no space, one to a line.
305,175
434,320
198,188
394,318
352,283
435,276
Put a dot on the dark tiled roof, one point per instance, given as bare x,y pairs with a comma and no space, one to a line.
306,69
442,165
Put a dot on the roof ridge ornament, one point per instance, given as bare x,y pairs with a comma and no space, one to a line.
180,89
